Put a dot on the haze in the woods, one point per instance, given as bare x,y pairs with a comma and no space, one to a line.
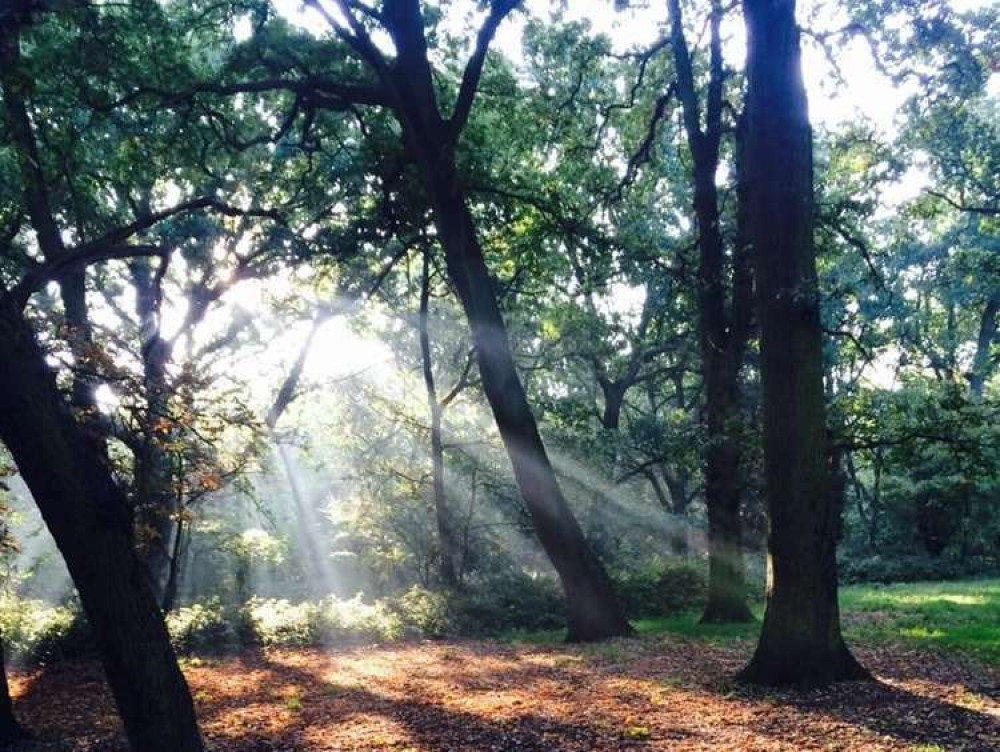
499,375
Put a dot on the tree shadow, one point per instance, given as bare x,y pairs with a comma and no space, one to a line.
883,708
480,697
327,715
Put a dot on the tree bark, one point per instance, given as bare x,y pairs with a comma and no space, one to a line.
800,642
10,730
87,515
723,333
442,515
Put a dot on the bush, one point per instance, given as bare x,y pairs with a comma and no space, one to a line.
912,568
279,622
200,627
424,613
661,589
34,630
354,620
508,603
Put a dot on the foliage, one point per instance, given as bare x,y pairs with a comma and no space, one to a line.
36,631
662,588
278,622
200,627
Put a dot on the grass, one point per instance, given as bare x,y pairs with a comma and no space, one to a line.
962,616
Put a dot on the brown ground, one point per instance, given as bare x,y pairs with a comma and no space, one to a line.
663,693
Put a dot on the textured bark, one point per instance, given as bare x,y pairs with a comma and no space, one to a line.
87,515
723,329
800,642
442,514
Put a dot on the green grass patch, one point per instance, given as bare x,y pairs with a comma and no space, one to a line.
688,625
963,616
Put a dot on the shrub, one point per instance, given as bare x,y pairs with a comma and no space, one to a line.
354,620
912,568
279,622
200,627
662,588
507,603
34,630
424,613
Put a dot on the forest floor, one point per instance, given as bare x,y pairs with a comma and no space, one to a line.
671,690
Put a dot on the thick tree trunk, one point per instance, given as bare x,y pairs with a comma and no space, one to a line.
442,515
800,641
10,730
86,513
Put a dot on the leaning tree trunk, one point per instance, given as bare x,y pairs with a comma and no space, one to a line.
10,730
593,609
800,641
87,515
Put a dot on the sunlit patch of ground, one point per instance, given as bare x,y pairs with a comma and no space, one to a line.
656,693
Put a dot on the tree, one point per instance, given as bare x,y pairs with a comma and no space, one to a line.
86,513
723,327
10,729
800,640
405,86
66,467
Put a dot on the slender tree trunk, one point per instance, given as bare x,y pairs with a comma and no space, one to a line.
87,515
10,730
446,537
722,337
800,642
156,504
594,612
178,553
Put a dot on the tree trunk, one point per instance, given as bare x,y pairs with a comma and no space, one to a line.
87,515
10,730
726,582
156,504
446,537
800,642
593,610
722,334
982,362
